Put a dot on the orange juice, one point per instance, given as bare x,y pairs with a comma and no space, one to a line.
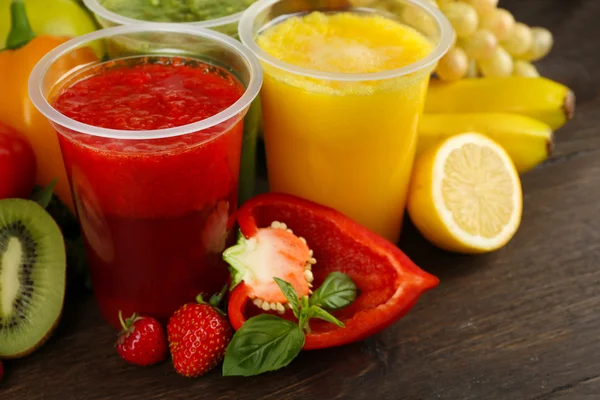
345,143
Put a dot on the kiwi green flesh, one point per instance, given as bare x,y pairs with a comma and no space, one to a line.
32,276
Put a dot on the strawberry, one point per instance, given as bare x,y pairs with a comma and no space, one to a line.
1,371
198,336
142,341
271,252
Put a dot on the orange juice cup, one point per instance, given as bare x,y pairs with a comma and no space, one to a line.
346,139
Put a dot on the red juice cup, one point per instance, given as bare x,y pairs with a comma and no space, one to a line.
151,138
210,14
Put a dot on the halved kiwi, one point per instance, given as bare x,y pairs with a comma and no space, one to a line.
32,276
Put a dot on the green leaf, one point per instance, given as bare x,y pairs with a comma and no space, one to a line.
264,343
43,195
290,294
337,291
317,312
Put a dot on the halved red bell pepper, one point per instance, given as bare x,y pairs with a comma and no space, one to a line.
389,283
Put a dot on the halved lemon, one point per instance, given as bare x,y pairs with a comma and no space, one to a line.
465,195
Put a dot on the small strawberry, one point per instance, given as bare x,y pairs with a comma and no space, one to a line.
1,371
198,336
142,341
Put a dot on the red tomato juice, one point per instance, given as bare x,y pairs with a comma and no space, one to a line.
155,213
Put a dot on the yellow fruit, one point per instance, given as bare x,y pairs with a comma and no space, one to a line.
483,6
453,65
463,18
527,141
481,45
363,3
524,68
519,41
499,21
499,65
472,71
541,44
539,98
418,18
465,195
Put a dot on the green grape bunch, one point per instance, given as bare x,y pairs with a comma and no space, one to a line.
489,42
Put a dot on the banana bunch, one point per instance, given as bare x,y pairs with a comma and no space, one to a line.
519,113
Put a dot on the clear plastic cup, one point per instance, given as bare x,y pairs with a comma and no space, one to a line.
156,207
228,25
346,140
106,18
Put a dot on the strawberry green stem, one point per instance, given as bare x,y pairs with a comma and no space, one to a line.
122,321
216,300
21,33
200,299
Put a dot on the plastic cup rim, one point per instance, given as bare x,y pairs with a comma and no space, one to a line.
100,10
41,103
443,24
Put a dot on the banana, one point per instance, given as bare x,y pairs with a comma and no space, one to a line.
527,140
539,98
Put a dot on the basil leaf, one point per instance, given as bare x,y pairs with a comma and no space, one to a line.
318,312
290,293
337,291
264,343
43,195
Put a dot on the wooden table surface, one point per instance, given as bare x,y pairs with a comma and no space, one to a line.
522,323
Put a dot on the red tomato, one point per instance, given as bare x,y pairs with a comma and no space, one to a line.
17,164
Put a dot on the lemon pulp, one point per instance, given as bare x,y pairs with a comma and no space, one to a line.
478,190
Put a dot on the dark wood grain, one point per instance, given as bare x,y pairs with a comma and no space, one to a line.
522,323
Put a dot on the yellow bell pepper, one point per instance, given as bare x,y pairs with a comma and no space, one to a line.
22,52
50,17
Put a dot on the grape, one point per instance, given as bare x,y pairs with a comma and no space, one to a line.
419,19
472,71
499,21
486,40
453,66
463,18
481,45
541,44
500,64
524,68
519,40
482,6
362,3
